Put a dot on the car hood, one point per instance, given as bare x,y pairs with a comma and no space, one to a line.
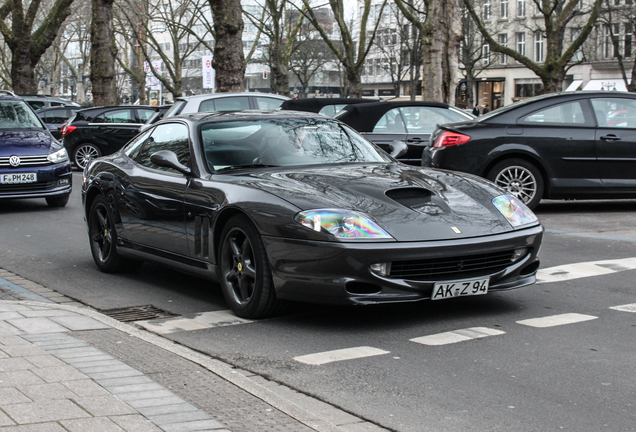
411,204
27,143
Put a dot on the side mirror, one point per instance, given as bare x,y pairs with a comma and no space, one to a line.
169,159
398,148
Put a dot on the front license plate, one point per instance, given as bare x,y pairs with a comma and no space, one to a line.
462,288
19,178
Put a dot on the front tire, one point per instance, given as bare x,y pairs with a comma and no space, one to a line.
58,200
83,154
519,178
103,239
245,275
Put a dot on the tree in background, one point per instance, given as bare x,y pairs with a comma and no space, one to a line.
613,18
350,54
103,54
27,45
556,15
439,24
228,60
472,57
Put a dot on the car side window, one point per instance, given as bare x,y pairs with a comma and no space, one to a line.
170,136
391,122
268,103
133,147
615,112
116,116
144,114
569,113
424,120
331,110
225,104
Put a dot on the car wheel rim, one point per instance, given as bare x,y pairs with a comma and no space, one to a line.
239,269
84,154
518,181
101,233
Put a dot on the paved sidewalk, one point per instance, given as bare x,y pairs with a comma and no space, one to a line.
66,368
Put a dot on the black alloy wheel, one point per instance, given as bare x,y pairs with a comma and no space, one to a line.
103,238
519,178
84,153
245,275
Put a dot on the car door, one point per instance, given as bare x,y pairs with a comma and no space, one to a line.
390,127
151,202
562,136
114,128
616,141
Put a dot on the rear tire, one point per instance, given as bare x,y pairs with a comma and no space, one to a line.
244,272
83,153
519,178
58,200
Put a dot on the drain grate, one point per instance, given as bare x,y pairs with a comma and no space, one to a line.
137,313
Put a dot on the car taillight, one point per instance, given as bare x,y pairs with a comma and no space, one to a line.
447,139
67,130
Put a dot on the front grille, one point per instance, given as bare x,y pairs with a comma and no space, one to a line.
451,268
26,161
27,187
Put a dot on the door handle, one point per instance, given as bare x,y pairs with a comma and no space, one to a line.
610,137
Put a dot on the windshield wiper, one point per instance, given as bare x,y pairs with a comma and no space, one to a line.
257,165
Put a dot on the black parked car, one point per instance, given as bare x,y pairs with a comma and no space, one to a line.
408,121
569,145
55,117
286,205
32,163
94,132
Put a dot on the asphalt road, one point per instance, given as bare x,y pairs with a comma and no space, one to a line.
574,371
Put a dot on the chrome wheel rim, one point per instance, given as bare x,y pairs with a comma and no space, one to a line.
84,154
101,233
238,266
518,181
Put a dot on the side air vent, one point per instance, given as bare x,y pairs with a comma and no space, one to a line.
202,235
410,197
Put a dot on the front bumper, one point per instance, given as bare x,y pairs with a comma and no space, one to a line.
53,180
339,273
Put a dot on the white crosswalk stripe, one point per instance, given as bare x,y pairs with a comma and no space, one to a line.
556,320
340,355
625,308
457,336
584,269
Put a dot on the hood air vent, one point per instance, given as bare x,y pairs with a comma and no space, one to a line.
410,197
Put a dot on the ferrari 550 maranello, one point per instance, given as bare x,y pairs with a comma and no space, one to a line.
280,206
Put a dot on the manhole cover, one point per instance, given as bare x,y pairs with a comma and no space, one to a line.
137,313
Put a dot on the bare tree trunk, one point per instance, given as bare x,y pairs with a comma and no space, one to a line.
22,69
229,60
103,54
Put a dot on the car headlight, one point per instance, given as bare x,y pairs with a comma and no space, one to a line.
345,224
514,210
58,156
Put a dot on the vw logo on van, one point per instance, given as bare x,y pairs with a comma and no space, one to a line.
14,161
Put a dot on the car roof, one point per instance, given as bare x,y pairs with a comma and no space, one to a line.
363,117
248,115
221,95
316,104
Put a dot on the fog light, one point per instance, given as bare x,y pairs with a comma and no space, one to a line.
383,269
517,254
63,182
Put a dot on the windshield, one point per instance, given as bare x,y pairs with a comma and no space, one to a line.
175,109
284,142
17,115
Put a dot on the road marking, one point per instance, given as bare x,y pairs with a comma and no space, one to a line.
339,355
556,320
584,269
457,336
625,308
204,320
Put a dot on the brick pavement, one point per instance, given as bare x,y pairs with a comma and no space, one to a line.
53,378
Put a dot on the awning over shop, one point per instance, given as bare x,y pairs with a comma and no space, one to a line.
574,86
610,84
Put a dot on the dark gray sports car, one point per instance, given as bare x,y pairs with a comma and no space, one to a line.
280,206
